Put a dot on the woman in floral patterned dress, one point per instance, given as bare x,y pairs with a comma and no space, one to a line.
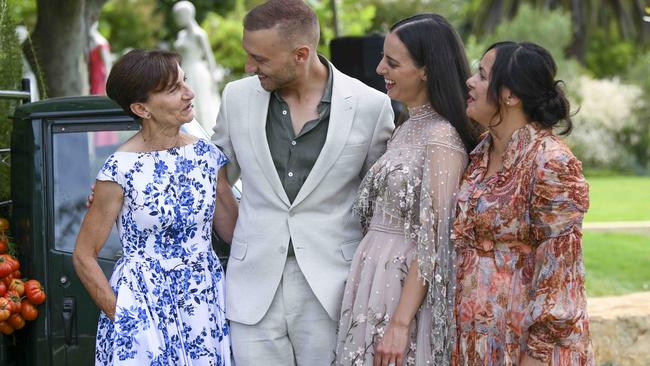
520,297
164,304
396,306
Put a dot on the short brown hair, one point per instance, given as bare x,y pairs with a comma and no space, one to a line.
138,74
295,20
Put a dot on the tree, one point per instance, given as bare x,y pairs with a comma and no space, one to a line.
390,11
225,31
60,43
131,24
11,69
587,16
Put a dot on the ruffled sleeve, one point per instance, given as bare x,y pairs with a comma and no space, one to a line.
558,203
444,164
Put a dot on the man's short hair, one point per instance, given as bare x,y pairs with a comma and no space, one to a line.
296,21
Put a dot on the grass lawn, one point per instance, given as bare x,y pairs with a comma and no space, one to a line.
618,199
616,263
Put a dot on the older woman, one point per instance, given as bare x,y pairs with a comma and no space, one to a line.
164,304
520,297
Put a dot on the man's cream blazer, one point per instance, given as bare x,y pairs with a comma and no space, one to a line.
320,222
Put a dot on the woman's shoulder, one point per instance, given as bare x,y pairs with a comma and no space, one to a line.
553,151
442,133
207,148
133,144
556,166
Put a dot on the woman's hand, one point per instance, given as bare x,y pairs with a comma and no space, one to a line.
91,197
392,347
526,360
111,310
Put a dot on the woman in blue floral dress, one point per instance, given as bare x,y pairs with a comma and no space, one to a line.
164,304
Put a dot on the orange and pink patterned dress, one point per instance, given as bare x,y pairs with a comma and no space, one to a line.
520,272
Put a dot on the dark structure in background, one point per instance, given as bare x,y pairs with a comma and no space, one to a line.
358,57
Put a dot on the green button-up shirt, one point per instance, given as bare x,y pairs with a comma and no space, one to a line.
294,155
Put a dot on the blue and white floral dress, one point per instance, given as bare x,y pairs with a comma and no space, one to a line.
169,283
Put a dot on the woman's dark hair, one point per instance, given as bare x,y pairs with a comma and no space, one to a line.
528,71
433,43
138,74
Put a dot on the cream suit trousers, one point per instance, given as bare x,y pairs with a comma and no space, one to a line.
296,330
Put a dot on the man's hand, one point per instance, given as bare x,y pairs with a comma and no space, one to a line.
91,197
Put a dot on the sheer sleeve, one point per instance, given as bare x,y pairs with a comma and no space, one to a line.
444,164
558,203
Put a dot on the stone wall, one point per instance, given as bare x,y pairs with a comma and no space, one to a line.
620,329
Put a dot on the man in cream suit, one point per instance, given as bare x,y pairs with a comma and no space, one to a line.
301,135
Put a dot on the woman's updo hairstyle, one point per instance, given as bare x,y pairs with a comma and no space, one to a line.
528,70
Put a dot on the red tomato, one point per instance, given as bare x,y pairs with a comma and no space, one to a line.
16,262
14,300
11,276
28,310
6,265
34,292
5,328
8,262
17,285
5,309
16,321
3,288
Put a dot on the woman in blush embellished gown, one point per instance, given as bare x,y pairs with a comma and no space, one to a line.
398,297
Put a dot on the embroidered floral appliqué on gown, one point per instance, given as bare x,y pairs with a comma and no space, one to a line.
520,269
406,205
169,283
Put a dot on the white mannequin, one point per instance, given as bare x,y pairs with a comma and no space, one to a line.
199,65
22,34
100,66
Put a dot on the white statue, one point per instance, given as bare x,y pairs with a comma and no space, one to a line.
23,34
201,70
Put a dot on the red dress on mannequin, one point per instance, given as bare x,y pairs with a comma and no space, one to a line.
97,69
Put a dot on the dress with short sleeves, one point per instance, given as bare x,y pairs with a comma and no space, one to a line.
520,268
169,283
406,203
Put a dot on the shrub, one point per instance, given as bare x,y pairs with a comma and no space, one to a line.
225,33
550,29
606,113
607,54
637,137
